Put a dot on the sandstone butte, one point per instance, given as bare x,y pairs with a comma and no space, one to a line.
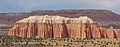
60,27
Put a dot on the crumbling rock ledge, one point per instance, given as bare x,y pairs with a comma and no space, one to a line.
60,27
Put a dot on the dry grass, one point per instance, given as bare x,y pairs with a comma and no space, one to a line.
70,42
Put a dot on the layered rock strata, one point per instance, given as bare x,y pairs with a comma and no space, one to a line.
60,27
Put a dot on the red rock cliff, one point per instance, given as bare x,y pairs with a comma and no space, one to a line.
61,27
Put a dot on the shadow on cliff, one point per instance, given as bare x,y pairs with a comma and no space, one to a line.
65,31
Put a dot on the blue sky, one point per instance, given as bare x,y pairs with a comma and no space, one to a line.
29,5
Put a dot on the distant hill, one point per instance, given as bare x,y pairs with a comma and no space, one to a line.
105,18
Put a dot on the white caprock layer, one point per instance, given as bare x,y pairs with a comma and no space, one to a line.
55,19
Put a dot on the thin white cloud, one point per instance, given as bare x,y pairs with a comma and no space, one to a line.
108,3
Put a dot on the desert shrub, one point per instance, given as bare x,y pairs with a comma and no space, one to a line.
82,45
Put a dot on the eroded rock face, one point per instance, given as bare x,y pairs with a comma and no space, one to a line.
61,27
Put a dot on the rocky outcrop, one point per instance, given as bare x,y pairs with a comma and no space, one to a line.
61,27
